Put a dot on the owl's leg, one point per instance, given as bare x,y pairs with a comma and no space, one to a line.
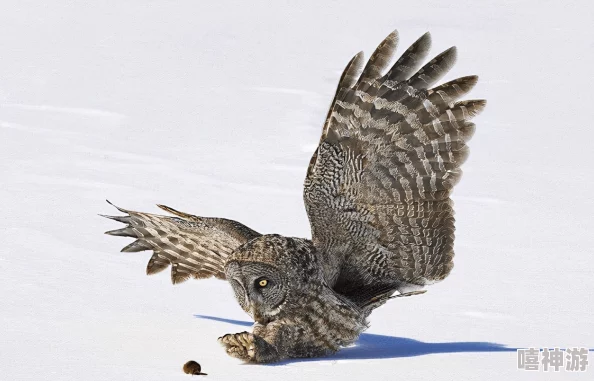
256,347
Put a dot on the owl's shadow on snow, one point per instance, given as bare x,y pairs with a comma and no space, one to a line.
372,346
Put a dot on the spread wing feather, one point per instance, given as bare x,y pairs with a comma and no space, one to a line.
377,188
195,247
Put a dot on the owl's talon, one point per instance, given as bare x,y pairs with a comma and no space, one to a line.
239,345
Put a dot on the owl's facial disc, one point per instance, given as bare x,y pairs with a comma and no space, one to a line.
259,289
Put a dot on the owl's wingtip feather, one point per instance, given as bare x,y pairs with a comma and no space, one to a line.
122,219
117,207
125,232
136,246
175,212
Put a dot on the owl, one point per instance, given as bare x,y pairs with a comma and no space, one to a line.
377,194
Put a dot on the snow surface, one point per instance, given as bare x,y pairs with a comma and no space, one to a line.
215,109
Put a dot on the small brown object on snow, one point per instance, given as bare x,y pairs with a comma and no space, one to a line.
193,368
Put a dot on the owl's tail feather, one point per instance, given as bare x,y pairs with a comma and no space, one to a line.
373,296
412,293
379,300
195,247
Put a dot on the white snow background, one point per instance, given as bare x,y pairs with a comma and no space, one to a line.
215,108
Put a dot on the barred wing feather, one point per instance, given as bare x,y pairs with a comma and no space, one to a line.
377,188
195,247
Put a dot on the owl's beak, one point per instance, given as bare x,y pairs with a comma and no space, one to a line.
258,317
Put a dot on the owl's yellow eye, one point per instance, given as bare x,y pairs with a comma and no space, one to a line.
263,283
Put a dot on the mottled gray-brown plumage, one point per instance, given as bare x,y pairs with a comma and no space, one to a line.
377,196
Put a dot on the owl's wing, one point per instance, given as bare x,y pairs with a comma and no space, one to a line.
195,247
377,188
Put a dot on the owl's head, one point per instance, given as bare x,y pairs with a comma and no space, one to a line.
264,274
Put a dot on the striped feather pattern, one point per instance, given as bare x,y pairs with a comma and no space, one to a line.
379,60
378,186
195,247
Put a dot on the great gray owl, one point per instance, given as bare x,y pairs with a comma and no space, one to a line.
377,196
